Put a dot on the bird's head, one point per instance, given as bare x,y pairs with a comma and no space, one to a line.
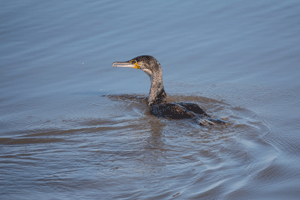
146,63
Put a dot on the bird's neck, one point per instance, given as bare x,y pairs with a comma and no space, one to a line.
157,93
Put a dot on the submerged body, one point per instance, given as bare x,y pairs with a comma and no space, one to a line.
157,96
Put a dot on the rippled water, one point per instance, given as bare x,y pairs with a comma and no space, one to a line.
73,127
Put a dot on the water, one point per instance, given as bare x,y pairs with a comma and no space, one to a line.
73,127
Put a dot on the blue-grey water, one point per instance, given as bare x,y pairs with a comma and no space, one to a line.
74,127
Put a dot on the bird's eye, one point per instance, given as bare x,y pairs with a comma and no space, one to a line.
132,61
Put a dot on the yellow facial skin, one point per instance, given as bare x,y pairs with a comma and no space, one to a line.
136,65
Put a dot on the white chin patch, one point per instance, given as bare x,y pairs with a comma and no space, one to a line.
147,71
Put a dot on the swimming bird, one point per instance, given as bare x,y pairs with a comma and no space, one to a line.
157,95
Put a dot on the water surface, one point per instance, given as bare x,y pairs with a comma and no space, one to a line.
73,127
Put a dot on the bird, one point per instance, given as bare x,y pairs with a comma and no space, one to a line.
157,96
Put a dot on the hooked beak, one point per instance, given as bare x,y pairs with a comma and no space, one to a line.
126,64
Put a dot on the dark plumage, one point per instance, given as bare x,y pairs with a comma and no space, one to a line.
157,96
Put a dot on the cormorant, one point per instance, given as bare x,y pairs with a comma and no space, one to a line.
157,96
